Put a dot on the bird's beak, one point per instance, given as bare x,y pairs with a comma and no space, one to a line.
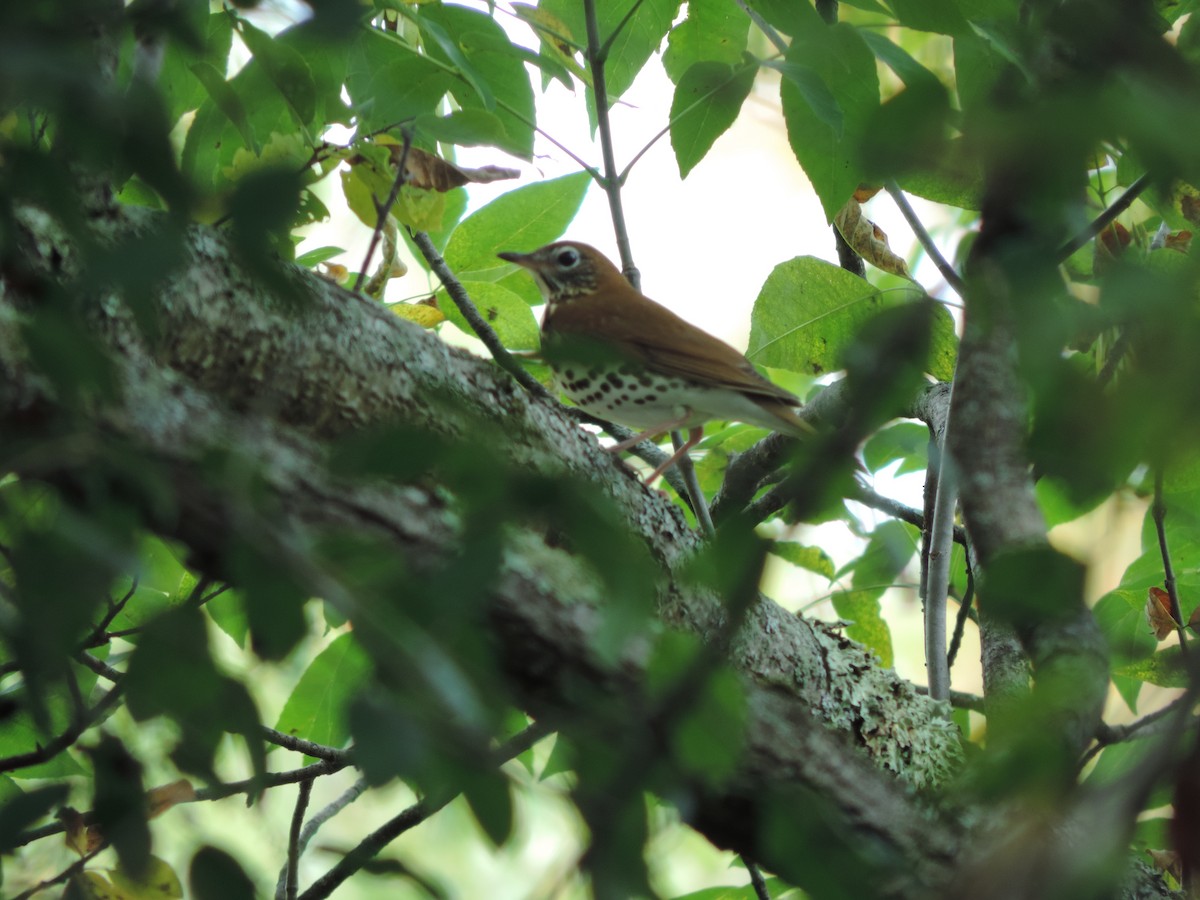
521,259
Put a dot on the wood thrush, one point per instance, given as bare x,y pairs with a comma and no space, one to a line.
619,355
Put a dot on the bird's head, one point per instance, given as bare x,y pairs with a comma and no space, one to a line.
565,269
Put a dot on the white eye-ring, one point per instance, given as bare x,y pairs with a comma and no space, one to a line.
567,257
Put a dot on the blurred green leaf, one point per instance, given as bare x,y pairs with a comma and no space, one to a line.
119,804
317,707
215,875
285,67
488,794
812,558
22,811
905,441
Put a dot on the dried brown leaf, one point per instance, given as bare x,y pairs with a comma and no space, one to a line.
1158,613
160,799
868,239
424,170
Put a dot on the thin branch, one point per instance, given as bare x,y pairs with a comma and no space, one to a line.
1159,510
470,312
71,870
960,699
926,241
757,880
322,816
610,182
383,210
868,497
69,735
373,843
308,748
293,853
964,613
1107,735
1105,218
699,503
941,542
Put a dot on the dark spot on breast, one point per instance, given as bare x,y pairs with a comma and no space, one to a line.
606,387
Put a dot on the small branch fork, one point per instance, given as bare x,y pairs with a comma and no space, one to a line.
383,210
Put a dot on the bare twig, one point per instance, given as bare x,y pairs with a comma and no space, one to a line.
926,241
964,613
1159,511
383,210
308,748
757,880
73,869
1103,220
81,722
941,542
478,324
409,818
293,853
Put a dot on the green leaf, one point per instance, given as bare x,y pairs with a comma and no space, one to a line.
1164,669
896,58
466,127
942,16
846,66
708,737
286,69
454,54
523,219
807,313
119,803
508,314
714,31
24,810
812,558
225,99
488,795
388,82
496,64
316,708
905,441
215,875
158,882
310,259
706,103
640,35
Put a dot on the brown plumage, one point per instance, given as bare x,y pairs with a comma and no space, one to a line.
619,355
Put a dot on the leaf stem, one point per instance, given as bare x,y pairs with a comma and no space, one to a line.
383,210
923,237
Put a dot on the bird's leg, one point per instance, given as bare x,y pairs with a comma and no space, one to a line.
669,425
693,439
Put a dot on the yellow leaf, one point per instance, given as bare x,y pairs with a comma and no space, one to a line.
424,314
94,886
159,882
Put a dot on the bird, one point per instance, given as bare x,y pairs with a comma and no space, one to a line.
619,355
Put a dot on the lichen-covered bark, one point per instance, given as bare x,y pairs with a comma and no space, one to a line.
255,377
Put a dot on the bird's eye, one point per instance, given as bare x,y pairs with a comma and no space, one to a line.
568,257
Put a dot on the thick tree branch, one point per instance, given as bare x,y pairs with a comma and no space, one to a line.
345,364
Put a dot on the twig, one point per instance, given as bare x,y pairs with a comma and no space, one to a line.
964,613
308,748
926,241
757,880
73,869
1159,510
383,210
941,542
69,735
470,312
699,503
868,497
611,184
409,818
293,853
1106,735
1103,220
960,699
